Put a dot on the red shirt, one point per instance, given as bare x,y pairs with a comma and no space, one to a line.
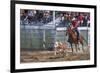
80,18
74,23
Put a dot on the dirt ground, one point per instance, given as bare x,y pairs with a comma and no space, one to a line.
49,56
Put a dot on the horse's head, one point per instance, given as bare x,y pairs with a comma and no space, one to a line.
68,30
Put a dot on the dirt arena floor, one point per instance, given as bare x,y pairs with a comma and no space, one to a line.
49,56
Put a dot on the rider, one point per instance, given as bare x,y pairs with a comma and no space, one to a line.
74,26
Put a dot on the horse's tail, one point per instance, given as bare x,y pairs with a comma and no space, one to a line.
84,39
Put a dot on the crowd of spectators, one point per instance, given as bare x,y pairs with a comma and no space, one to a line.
35,17
66,18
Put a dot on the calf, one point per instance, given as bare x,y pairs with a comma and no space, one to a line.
60,47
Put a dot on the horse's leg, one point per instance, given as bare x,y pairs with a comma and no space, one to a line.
76,47
78,44
71,47
81,42
83,47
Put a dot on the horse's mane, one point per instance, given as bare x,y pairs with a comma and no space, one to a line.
72,32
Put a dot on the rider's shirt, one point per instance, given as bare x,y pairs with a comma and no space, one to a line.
74,23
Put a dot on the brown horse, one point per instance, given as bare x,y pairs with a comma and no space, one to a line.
73,39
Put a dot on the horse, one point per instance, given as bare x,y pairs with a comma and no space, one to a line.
72,39
60,47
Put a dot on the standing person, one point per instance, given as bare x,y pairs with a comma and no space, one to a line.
30,16
25,20
69,17
66,20
80,18
85,20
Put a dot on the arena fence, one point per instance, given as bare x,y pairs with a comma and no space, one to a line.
44,37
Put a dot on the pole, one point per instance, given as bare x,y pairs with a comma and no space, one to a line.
44,39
